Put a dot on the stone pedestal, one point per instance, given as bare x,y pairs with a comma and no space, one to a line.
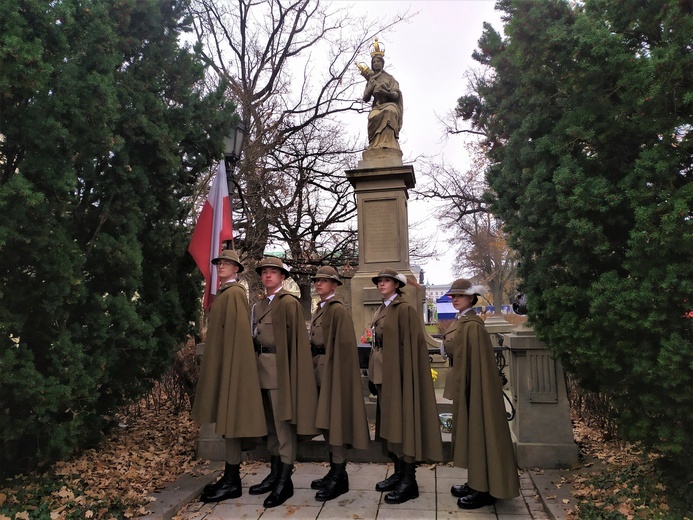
210,445
541,430
381,182
497,324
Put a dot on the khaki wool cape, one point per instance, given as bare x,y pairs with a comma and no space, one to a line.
298,392
409,413
341,407
228,389
480,433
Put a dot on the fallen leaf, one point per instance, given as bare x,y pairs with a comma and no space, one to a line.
625,510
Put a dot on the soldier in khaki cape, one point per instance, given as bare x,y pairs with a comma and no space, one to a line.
480,434
407,413
285,367
228,389
341,412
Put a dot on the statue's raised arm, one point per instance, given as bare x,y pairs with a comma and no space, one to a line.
385,117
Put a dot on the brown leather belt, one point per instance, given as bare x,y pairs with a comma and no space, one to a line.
261,349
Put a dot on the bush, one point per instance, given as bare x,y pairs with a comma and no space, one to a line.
587,118
105,129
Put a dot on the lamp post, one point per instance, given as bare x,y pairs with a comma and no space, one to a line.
233,147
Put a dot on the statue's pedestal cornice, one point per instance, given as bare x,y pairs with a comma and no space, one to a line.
379,158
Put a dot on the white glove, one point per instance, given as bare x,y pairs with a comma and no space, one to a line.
442,352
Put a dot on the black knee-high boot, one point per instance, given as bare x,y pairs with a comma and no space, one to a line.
407,488
270,480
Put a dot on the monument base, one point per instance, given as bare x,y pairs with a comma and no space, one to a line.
210,446
541,430
547,456
380,158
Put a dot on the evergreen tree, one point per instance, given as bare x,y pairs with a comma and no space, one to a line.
587,112
104,129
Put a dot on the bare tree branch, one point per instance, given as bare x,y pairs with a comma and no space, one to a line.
290,69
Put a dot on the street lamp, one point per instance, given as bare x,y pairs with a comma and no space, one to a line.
233,147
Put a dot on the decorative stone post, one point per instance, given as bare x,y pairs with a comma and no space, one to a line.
542,431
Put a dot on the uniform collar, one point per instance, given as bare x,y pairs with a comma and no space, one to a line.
270,297
390,299
326,300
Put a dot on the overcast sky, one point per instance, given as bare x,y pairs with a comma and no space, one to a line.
429,56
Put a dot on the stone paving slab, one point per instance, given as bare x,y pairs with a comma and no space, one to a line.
362,502
554,490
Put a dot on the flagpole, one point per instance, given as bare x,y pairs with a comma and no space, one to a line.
233,150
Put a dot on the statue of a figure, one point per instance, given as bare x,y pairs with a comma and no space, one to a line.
520,304
385,117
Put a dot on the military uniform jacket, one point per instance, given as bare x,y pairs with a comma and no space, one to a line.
228,389
409,413
317,339
298,392
375,362
480,434
341,408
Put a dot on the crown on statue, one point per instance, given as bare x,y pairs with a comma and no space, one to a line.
377,49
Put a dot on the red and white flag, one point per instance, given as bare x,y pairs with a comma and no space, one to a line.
212,228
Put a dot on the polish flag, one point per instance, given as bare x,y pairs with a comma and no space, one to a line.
212,228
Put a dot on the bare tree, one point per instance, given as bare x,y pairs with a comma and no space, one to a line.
290,68
477,235
486,253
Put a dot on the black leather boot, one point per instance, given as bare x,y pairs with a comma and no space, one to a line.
407,489
211,487
319,483
336,486
391,482
283,490
460,491
475,500
228,486
270,480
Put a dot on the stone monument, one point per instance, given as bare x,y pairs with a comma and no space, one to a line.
381,181
541,431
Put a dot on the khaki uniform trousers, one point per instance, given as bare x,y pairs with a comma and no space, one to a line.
281,435
233,450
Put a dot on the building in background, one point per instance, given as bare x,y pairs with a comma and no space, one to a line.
433,294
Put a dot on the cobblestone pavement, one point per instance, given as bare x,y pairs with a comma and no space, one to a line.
362,502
